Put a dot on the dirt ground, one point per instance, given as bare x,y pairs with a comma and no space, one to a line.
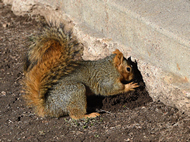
127,117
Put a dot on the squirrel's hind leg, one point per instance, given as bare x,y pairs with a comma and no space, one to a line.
68,98
78,103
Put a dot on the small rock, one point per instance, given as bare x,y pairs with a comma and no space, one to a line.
42,133
6,25
79,132
3,93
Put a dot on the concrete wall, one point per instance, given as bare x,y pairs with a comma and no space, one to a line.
156,33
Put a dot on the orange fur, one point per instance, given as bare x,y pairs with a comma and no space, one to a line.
118,58
48,59
121,66
36,78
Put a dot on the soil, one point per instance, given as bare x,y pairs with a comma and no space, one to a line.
126,117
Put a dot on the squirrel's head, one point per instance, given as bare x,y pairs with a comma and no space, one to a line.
124,66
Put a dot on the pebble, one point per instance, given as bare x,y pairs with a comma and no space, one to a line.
5,25
3,93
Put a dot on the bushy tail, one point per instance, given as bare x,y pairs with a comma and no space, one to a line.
48,59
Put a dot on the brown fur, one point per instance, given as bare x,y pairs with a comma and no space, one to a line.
52,52
34,81
122,66
118,58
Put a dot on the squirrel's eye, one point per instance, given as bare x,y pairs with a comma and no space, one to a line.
128,69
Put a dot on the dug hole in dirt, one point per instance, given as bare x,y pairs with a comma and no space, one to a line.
126,117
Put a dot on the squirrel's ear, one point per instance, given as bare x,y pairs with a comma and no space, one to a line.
118,58
129,59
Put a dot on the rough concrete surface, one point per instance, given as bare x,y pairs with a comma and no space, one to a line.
154,32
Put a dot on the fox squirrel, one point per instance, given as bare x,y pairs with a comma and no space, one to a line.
56,84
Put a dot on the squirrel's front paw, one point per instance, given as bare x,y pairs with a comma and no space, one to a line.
131,86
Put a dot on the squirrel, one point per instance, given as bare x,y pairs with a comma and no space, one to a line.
56,84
